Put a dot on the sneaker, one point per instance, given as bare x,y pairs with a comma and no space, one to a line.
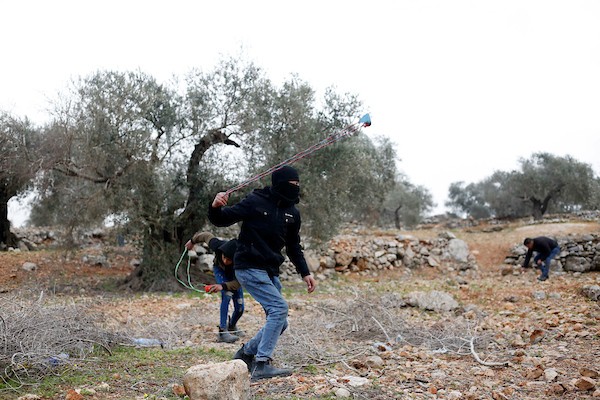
247,358
542,278
264,370
226,337
234,330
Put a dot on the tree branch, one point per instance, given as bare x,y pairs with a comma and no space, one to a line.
480,361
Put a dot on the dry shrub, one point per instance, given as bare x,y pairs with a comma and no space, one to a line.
37,337
341,330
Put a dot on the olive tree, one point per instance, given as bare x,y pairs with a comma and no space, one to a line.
113,151
500,199
468,199
562,184
545,183
406,204
132,147
19,164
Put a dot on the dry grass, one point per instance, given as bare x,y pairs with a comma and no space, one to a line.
36,337
333,331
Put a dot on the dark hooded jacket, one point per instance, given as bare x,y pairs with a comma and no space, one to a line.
268,225
227,248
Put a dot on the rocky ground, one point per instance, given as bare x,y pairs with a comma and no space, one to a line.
355,338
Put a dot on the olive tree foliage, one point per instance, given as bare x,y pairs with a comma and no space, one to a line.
19,164
468,199
347,182
501,201
219,109
545,183
406,204
344,181
593,202
111,136
553,183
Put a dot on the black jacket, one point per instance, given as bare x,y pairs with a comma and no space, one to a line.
266,228
542,245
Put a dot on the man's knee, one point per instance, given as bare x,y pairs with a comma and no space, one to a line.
239,305
279,308
226,295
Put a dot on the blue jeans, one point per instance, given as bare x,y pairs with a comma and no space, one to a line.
226,296
546,263
267,291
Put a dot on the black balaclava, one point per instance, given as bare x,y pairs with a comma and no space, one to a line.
281,186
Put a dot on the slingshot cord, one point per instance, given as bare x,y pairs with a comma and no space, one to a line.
187,285
334,137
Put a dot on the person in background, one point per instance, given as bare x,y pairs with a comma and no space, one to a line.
546,249
229,287
270,221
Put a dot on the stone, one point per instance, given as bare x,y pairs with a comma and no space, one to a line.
72,394
312,260
29,266
584,383
458,250
342,393
591,291
590,373
225,380
355,381
550,374
343,258
374,361
433,300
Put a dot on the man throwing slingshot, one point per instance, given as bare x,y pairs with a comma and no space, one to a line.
270,221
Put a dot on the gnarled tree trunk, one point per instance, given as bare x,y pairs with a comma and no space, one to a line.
7,238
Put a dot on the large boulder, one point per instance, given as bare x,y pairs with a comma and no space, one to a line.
458,250
433,300
577,264
226,380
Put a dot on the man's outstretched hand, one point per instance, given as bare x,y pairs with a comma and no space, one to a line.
311,284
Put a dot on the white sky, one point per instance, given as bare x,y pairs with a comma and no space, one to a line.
463,87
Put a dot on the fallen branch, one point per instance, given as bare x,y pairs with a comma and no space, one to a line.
383,330
480,361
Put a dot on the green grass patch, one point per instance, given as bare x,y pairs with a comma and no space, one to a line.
129,371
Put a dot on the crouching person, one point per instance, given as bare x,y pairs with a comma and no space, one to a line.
227,284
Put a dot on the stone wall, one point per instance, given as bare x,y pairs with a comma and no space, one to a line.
356,252
579,253
39,238
369,254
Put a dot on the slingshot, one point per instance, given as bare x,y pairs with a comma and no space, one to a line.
334,137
